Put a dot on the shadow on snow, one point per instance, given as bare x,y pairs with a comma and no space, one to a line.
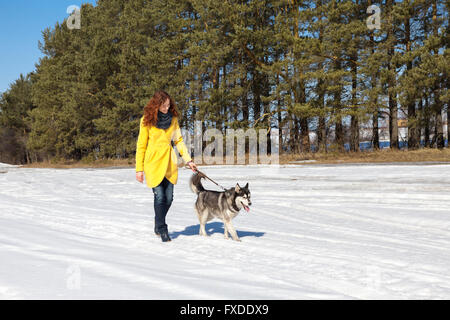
211,228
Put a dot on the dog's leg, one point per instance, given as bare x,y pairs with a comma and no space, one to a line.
229,227
203,219
202,225
225,231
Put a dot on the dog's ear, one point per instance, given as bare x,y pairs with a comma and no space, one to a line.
237,187
246,186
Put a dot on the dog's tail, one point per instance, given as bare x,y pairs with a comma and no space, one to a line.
196,184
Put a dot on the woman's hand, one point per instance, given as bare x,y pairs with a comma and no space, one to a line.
140,176
192,165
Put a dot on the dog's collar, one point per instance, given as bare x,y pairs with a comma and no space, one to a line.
235,206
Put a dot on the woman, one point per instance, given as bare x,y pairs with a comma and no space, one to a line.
156,158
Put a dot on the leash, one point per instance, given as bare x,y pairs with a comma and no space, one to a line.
205,176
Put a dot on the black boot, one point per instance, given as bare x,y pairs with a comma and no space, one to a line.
165,236
157,232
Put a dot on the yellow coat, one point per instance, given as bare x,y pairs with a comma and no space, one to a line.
155,155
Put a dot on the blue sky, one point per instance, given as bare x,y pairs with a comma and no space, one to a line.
21,26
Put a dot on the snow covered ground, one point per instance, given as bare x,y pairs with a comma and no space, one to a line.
313,232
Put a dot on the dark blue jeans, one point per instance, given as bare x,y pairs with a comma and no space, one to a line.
163,196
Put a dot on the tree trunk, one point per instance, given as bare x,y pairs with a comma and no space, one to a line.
297,139
440,143
354,125
339,130
306,146
413,131
354,137
393,108
375,132
448,126
339,135
439,131
393,122
426,122
374,107
321,130
279,120
322,135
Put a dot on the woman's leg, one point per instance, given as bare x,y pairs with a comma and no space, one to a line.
162,202
159,204
169,194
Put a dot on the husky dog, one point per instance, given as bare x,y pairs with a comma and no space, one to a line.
224,205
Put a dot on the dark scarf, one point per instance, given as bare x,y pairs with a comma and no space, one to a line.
164,120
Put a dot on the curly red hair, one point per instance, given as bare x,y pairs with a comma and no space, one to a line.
152,107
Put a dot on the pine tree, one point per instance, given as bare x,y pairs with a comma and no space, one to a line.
15,104
296,65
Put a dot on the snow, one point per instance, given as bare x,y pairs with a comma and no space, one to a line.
6,165
313,232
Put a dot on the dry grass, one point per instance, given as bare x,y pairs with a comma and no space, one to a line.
66,164
387,155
